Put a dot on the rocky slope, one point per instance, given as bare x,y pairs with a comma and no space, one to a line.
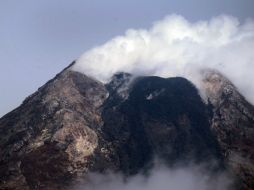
233,123
75,124
51,136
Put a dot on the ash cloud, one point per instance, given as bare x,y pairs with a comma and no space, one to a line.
175,46
160,177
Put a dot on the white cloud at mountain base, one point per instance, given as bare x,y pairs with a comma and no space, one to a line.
181,178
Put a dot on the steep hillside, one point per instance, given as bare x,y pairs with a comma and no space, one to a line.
75,124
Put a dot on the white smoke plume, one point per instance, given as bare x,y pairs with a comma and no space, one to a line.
160,178
176,47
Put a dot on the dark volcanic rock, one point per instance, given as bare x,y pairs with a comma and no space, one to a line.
162,117
74,124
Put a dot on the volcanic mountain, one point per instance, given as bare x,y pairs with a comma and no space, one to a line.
75,124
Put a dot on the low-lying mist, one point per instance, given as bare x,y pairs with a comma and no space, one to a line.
160,178
175,46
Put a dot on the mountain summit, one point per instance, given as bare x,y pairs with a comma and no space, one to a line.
74,125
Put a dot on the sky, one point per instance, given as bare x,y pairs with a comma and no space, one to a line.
39,38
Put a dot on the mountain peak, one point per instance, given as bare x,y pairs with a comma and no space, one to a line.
217,86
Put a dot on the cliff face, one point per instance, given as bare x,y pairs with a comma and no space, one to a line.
75,124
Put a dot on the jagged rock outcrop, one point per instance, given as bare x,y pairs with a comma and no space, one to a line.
233,123
75,124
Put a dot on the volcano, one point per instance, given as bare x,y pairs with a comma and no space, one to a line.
75,124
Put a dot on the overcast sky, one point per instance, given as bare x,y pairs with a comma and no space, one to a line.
39,38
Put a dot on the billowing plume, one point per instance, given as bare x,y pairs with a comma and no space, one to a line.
175,46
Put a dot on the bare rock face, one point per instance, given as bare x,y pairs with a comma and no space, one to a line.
74,125
233,124
52,135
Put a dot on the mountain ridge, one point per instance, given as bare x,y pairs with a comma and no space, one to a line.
75,124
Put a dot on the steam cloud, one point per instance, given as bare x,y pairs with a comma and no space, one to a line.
160,178
177,47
